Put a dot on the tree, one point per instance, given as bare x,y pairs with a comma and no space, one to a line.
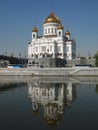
96,57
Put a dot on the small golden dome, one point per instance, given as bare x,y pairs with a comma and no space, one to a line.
34,29
67,33
60,27
52,19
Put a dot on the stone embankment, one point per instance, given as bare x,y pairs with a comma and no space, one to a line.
66,71
52,71
49,72
15,72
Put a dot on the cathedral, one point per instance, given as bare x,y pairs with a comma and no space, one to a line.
53,98
54,47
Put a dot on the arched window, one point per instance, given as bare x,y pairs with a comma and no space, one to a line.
51,30
59,33
55,30
48,30
33,35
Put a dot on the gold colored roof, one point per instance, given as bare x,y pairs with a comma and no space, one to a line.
60,27
34,29
67,33
52,19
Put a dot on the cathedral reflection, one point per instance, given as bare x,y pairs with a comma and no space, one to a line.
55,98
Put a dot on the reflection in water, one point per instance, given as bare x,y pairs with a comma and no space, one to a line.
96,89
54,97
10,86
6,87
65,102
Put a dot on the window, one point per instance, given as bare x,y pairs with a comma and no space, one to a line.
59,33
59,48
48,30
44,92
43,48
67,49
33,35
36,49
51,30
50,48
32,55
67,57
45,31
55,30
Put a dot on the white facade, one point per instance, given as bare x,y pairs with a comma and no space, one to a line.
54,98
54,43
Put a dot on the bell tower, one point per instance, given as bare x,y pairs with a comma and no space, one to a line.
34,33
60,31
67,34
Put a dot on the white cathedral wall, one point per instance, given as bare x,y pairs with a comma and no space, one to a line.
37,48
50,29
29,51
52,48
69,50
60,33
34,33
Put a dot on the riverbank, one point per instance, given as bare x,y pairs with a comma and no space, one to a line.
82,71
15,72
49,71
49,79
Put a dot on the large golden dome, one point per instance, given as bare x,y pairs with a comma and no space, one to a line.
52,19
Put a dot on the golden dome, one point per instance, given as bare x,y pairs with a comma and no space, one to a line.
60,27
52,19
34,29
67,33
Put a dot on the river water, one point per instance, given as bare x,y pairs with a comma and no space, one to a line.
47,103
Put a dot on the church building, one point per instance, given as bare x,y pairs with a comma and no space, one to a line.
54,47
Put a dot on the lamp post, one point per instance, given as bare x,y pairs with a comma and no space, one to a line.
19,57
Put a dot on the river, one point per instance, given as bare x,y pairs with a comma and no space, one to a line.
47,103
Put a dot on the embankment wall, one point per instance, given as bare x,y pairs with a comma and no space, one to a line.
50,71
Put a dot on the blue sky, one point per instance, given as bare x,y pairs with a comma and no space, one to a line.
18,17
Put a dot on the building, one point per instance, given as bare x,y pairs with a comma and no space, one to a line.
54,47
3,63
53,98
